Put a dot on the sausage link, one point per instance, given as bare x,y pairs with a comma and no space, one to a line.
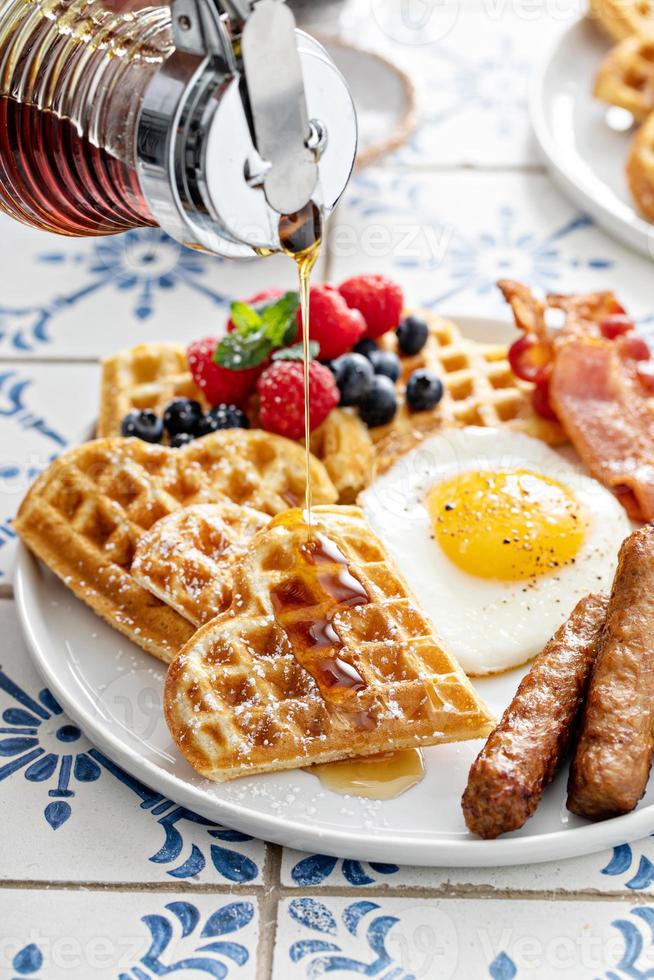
522,754
612,761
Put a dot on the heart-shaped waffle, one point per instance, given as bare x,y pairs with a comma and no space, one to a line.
186,558
626,76
622,18
640,168
322,655
85,514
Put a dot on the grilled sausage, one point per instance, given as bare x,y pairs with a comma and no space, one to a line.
614,753
522,754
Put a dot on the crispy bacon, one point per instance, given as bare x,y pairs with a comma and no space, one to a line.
580,315
605,411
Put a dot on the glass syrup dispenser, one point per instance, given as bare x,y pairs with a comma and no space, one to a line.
209,118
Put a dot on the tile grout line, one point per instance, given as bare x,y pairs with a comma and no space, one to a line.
270,897
268,906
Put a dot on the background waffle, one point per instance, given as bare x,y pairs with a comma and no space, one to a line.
640,168
622,18
248,694
186,558
480,389
626,76
85,514
144,377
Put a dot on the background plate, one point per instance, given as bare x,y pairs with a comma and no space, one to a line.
112,690
584,151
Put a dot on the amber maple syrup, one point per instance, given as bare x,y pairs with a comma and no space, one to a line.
73,76
56,180
319,585
300,235
375,777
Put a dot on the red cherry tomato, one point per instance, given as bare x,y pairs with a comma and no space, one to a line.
541,400
616,325
636,348
529,358
645,374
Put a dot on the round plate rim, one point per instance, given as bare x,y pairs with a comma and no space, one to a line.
637,234
426,852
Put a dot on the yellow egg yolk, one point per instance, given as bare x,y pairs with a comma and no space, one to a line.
509,525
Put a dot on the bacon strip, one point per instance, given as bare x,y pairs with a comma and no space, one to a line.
608,418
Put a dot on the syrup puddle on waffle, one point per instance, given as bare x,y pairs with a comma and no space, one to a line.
326,580
305,608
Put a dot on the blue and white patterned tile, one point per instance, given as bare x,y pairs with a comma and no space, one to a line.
471,65
135,936
69,813
448,237
43,410
627,868
404,939
79,298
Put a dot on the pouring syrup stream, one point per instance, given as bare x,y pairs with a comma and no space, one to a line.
300,235
390,774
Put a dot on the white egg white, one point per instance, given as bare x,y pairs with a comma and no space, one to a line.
490,625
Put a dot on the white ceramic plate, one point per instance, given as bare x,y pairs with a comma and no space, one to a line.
581,139
113,692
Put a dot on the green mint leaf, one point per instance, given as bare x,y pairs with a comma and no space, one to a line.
296,353
279,321
245,318
240,351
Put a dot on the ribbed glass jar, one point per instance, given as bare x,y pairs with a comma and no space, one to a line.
72,78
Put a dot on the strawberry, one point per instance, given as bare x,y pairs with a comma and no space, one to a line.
332,323
378,298
218,384
281,397
265,298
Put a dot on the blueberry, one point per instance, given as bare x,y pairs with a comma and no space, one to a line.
412,334
222,417
144,425
385,362
354,375
181,439
365,347
182,415
380,404
424,389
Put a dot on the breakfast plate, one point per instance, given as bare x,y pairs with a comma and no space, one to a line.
113,691
584,142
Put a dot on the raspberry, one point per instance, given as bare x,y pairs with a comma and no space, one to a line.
218,384
378,298
332,323
281,394
258,301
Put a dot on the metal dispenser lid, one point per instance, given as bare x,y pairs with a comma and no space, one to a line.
248,119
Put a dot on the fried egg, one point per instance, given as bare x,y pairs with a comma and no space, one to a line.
498,536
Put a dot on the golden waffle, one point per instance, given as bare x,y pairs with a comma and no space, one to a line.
344,445
640,169
186,558
151,375
622,18
626,76
85,514
148,376
480,389
316,659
